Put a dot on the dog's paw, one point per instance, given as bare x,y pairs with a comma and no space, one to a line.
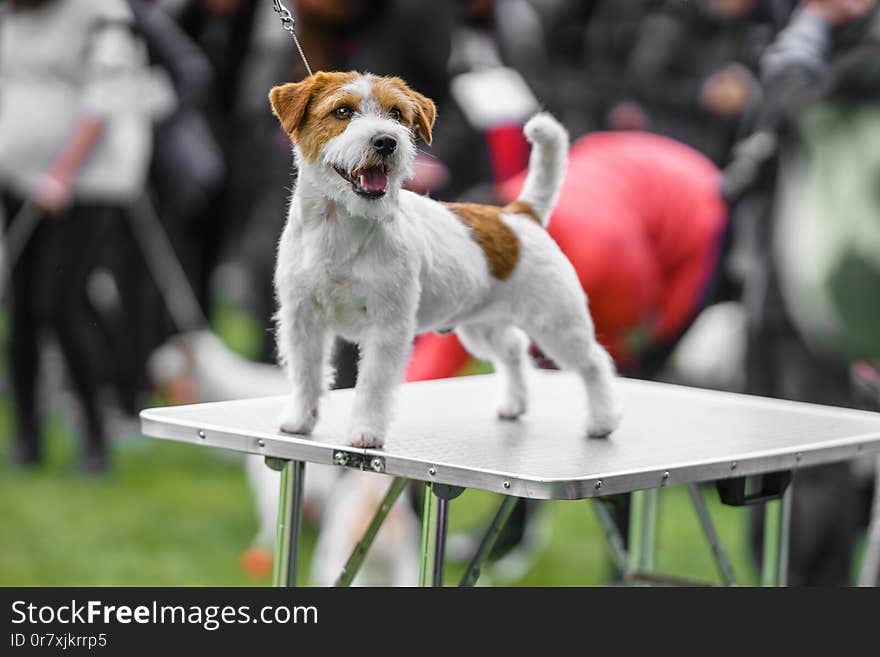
294,420
605,421
511,409
365,437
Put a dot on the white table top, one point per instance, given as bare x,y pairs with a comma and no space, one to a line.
670,435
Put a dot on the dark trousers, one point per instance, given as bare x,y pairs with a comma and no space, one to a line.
47,291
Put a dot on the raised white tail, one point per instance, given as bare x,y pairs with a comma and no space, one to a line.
547,164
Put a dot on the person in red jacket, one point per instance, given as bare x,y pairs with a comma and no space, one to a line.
642,220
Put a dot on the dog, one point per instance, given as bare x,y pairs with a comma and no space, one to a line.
363,258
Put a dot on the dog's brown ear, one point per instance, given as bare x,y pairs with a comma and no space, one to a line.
289,104
425,114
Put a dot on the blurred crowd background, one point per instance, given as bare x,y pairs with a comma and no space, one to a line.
722,210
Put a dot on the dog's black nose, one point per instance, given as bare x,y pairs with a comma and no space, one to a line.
384,144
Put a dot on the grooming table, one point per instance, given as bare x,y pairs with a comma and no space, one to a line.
445,434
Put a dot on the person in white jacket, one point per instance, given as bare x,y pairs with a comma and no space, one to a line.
75,141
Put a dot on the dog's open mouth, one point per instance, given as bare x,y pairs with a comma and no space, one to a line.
369,182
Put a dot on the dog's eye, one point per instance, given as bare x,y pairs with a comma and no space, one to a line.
395,114
342,113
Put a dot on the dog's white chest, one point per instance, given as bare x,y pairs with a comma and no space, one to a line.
341,301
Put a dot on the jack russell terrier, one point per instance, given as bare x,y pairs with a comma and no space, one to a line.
365,259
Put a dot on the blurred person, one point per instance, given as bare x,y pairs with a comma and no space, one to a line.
185,169
235,222
803,182
187,164
223,31
689,74
511,31
501,75
592,42
74,147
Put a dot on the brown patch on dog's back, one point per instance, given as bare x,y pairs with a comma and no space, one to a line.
521,207
499,243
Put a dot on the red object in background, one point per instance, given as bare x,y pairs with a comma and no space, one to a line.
508,151
436,356
257,562
641,218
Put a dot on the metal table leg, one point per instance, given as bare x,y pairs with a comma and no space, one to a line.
440,540
625,561
612,535
870,572
433,548
290,503
472,574
429,526
725,568
777,518
643,530
350,570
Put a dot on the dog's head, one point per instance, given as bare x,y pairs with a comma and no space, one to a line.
355,132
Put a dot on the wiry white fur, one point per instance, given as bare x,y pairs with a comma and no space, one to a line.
547,164
380,271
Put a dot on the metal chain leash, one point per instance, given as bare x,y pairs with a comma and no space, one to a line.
289,23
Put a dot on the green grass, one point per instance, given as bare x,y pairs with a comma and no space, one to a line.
240,331
166,514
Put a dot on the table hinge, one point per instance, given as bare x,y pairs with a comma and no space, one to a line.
359,461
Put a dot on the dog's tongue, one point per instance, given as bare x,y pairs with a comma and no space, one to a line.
372,179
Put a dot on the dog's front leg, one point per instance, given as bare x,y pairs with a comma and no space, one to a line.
384,353
302,340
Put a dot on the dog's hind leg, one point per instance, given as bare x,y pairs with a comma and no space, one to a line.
567,336
505,346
